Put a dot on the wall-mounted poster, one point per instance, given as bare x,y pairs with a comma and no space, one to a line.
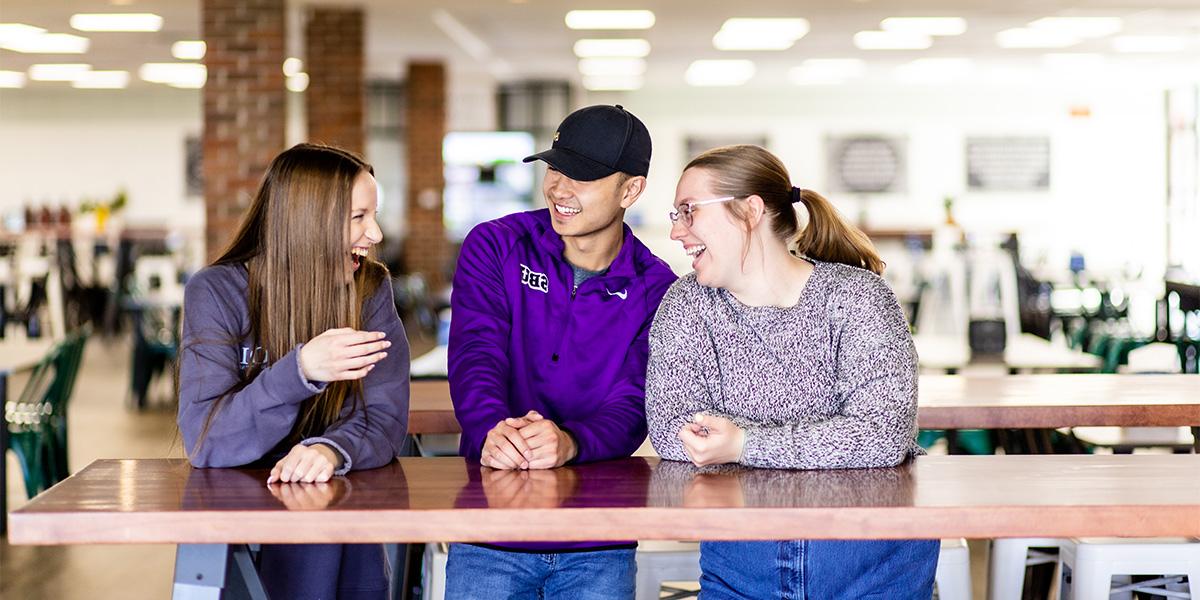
1008,163
867,164
699,143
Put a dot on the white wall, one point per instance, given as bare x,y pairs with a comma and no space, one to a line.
1108,189
67,145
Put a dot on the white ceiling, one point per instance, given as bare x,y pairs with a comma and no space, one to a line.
529,39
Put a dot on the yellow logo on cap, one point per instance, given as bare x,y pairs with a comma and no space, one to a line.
556,136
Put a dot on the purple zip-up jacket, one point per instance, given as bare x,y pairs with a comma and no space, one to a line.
522,339
254,422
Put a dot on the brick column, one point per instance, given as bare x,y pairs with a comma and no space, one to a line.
244,107
335,97
425,247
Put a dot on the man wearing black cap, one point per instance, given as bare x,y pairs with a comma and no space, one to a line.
548,347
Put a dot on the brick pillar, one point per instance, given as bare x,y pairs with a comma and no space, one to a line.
244,107
333,60
425,247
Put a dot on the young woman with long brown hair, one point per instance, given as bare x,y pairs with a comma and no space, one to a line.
293,355
786,350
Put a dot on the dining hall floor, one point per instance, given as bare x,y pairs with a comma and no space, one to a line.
101,426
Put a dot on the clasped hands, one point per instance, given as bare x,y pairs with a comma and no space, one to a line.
528,442
712,440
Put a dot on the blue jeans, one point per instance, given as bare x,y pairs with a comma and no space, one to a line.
324,571
474,572
818,569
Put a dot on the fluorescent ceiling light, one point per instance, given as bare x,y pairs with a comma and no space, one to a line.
719,72
760,33
188,50
1082,27
298,82
612,82
292,66
594,48
175,74
12,31
1149,43
58,72
612,66
925,25
12,79
47,43
891,40
933,70
610,19
116,22
102,80
1034,38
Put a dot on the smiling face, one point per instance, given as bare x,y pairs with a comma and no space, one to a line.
582,208
716,239
364,230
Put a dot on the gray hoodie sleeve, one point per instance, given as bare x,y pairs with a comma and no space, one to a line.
253,419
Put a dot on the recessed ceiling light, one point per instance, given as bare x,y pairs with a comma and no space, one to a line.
925,25
116,22
1081,27
719,72
610,19
598,83
58,72
189,50
297,82
12,31
108,80
891,40
595,48
760,33
292,66
174,74
1022,37
612,66
47,43
12,79
1149,43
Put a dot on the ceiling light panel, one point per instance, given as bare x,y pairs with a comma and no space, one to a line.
610,19
12,79
1023,37
1080,27
612,66
188,49
1149,44
47,43
599,48
760,33
891,40
116,22
612,82
12,31
719,72
58,72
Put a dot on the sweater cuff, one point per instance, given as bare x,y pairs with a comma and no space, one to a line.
346,462
315,387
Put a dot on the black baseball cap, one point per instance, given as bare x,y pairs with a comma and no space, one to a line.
597,141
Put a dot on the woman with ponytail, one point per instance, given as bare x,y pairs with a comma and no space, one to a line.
784,349
294,358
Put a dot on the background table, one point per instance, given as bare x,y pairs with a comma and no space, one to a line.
973,402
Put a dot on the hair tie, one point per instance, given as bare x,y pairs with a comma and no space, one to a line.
796,194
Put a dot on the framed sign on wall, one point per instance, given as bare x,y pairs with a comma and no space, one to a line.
867,164
1008,163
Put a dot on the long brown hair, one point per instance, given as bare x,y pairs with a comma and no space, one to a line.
744,169
293,243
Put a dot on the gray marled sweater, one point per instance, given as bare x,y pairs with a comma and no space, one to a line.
829,383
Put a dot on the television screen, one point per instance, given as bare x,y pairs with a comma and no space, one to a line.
485,178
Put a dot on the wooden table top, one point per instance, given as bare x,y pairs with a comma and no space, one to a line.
449,499
974,402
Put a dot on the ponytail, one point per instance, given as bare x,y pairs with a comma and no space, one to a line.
829,238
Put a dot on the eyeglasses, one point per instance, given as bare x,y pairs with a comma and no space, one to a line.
686,209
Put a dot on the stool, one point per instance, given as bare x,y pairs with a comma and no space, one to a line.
1089,565
659,561
1009,559
953,576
